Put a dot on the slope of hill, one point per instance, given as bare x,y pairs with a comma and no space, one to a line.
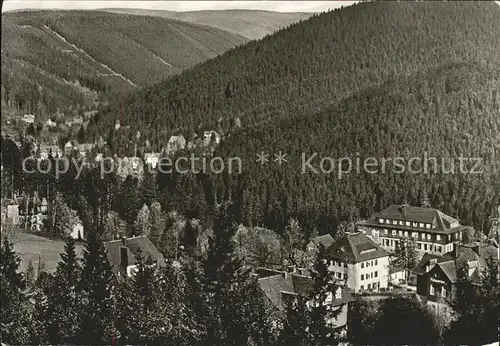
252,24
447,113
63,59
311,65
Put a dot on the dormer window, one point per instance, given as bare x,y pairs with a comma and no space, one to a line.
408,223
380,220
338,293
428,225
394,222
421,225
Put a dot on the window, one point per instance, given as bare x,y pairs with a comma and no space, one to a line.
428,236
362,287
394,222
339,275
367,264
345,276
421,225
371,275
438,237
419,246
380,220
415,224
408,223
376,274
400,233
371,263
369,286
393,232
362,277
406,233
362,264
427,225
386,231
432,291
425,246
438,248
401,223
376,262
443,292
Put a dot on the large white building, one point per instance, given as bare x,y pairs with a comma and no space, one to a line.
359,260
433,231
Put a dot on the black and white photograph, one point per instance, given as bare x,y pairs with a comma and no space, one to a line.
250,173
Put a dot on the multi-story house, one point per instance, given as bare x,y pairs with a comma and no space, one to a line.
437,276
122,254
432,230
359,260
279,287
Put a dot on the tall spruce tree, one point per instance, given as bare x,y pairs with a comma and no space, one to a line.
96,284
11,294
63,311
225,284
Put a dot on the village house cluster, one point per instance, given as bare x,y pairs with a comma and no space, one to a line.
360,260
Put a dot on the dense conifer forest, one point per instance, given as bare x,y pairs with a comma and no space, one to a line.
310,65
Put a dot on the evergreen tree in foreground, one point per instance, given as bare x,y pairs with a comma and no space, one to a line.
96,284
11,294
63,311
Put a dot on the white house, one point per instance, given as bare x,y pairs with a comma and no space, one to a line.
152,159
359,260
208,135
77,231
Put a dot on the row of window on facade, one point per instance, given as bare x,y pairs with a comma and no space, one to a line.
407,223
421,246
369,263
370,286
416,235
369,275
439,291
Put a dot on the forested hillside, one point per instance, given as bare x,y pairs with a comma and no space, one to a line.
74,60
448,113
311,65
253,24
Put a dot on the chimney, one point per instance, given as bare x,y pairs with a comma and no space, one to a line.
455,250
124,257
430,264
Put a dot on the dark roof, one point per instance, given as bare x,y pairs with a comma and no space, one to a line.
276,287
440,220
393,270
133,245
327,240
356,247
450,263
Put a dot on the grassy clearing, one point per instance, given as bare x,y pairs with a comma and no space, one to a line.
37,249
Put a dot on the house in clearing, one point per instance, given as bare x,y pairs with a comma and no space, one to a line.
122,255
